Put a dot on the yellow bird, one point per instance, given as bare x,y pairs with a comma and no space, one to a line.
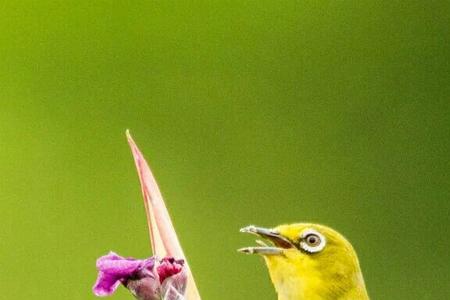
309,262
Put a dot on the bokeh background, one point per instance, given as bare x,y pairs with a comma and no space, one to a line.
250,112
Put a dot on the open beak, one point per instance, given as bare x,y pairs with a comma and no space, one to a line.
279,242
163,236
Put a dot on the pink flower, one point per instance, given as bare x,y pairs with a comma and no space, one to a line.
147,279
151,278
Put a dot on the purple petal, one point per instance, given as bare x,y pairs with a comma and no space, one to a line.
105,285
119,266
114,269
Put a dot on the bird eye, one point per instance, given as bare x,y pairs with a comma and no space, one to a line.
312,241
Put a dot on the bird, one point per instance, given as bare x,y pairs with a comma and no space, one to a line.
309,262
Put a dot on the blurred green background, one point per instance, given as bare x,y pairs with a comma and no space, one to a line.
250,112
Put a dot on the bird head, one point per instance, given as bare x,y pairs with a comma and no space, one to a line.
309,261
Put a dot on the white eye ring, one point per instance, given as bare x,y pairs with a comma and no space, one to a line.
312,248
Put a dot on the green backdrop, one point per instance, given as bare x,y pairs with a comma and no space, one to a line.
250,112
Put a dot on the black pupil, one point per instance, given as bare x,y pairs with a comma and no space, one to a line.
312,239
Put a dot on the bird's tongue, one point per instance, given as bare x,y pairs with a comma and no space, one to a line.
281,243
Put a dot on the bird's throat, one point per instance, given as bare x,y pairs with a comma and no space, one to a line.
285,278
293,283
